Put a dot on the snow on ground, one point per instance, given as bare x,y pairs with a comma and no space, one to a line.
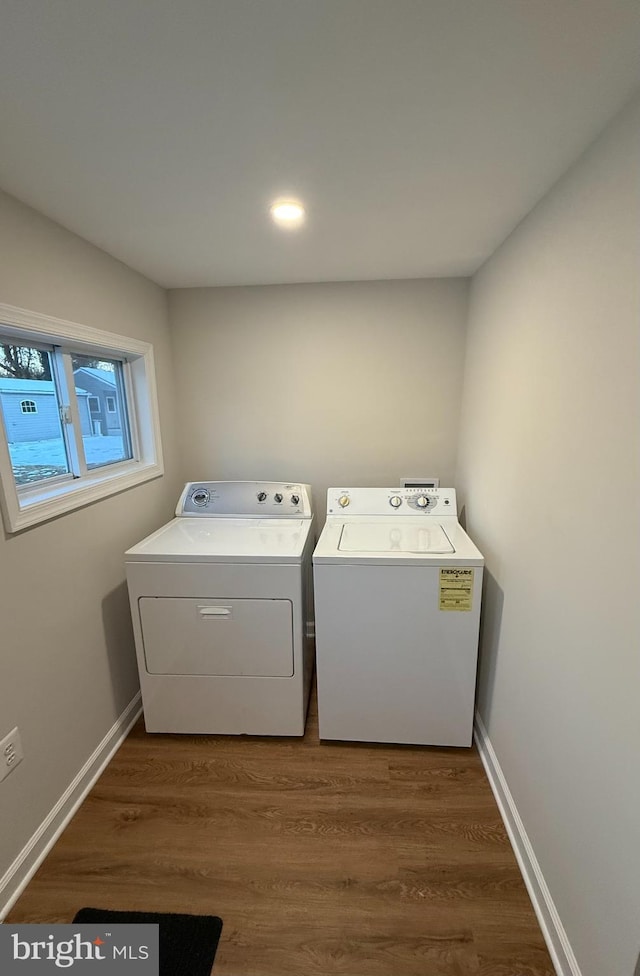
35,460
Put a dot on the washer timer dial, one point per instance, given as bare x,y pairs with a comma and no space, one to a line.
422,501
395,501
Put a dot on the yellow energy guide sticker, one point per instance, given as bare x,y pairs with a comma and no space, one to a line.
456,589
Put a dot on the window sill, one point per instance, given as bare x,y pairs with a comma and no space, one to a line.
40,506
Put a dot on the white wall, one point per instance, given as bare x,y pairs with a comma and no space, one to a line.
549,471
351,383
67,658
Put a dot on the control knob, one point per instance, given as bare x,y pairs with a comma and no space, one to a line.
262,496
295,499
422,501
277,497
395,501
343,501
200,497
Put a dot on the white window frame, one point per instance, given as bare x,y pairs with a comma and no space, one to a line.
111,400
31,405
27,505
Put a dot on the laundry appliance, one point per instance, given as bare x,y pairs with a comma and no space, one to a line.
222,608
397,585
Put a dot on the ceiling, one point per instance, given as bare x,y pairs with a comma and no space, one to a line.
417,132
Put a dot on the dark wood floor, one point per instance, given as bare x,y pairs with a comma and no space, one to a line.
320,858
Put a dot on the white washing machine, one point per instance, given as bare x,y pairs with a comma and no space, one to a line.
221,602
397,585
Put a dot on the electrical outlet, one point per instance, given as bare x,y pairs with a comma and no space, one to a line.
11,754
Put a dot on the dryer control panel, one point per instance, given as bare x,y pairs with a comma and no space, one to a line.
245,499
395,502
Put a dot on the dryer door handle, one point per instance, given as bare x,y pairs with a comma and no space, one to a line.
214,613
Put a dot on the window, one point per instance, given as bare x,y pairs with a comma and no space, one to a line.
94,429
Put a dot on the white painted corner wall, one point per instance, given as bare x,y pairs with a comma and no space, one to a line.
360,383
549,471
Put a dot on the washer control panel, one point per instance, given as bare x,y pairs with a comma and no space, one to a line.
392,501
245,499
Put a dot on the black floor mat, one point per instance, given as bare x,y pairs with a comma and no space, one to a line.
188,943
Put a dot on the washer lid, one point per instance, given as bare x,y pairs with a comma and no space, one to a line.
387,549
239,540
396,536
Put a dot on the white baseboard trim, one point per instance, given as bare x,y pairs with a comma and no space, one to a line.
19,874
553,931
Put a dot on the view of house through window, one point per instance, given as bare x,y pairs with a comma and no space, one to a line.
105,435
55,429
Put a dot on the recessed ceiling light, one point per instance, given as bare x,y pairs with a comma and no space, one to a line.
287,213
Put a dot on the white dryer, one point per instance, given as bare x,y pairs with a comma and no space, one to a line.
221,602
398,586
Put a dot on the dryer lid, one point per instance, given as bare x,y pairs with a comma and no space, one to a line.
394,537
